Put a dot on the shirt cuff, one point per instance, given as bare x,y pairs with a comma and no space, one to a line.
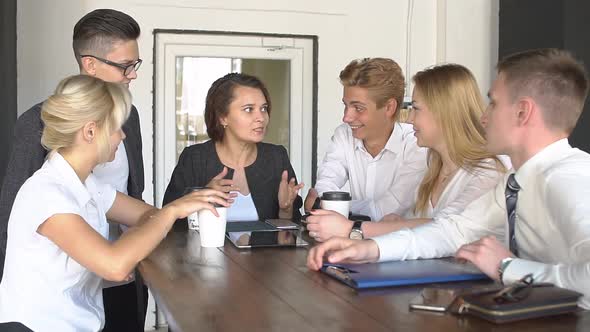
387,252
518,268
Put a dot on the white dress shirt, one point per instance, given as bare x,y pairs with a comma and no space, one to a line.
380,185
552,225
463,188
43,287
115,173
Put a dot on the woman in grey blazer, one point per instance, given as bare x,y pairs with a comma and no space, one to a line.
259,175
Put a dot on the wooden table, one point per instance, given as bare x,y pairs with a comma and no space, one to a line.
227,289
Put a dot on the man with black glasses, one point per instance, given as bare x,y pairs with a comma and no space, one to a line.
105,46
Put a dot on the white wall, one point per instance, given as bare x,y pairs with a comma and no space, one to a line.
346,30
454,31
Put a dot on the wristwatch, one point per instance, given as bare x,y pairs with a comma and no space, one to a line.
356,233
503,266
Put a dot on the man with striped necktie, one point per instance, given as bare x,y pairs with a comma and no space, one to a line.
540,210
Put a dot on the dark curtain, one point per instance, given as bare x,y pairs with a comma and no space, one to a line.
7,87
7,79
528,24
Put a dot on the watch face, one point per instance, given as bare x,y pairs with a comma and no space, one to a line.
356,235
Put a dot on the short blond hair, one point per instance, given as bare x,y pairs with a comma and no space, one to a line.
81,99
382,77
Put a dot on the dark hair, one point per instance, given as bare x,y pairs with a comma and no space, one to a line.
96,32
553,78
382,77
221,94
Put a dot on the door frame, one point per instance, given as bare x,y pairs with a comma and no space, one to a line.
270,43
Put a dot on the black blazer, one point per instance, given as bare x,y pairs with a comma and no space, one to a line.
28,155
199,163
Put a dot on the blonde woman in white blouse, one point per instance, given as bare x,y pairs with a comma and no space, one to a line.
446,111
58,253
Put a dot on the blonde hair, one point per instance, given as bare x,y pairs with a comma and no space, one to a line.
78,100
382,77
451,93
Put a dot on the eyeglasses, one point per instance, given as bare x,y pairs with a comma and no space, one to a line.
126,68
515,292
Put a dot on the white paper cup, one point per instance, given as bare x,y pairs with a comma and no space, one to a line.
212,228
338,201
193,218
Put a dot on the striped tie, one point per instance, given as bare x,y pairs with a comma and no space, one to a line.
511,193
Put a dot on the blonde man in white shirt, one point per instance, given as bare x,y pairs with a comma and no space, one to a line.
447,106
58,250
540,211
371,151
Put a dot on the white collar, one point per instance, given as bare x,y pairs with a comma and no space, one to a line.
394,143
70,179
544,158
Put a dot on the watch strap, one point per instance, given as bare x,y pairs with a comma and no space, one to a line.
357,225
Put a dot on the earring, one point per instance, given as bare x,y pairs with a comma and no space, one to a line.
224,126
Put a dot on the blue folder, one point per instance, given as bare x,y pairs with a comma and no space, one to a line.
399,273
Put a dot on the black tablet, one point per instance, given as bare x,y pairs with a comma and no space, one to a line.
267,238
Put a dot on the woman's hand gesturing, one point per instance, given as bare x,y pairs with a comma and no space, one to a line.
288,191
219,183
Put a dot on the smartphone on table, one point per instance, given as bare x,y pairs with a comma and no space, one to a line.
434,299
282,223
443,299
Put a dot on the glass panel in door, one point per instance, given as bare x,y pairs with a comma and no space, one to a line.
194,76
